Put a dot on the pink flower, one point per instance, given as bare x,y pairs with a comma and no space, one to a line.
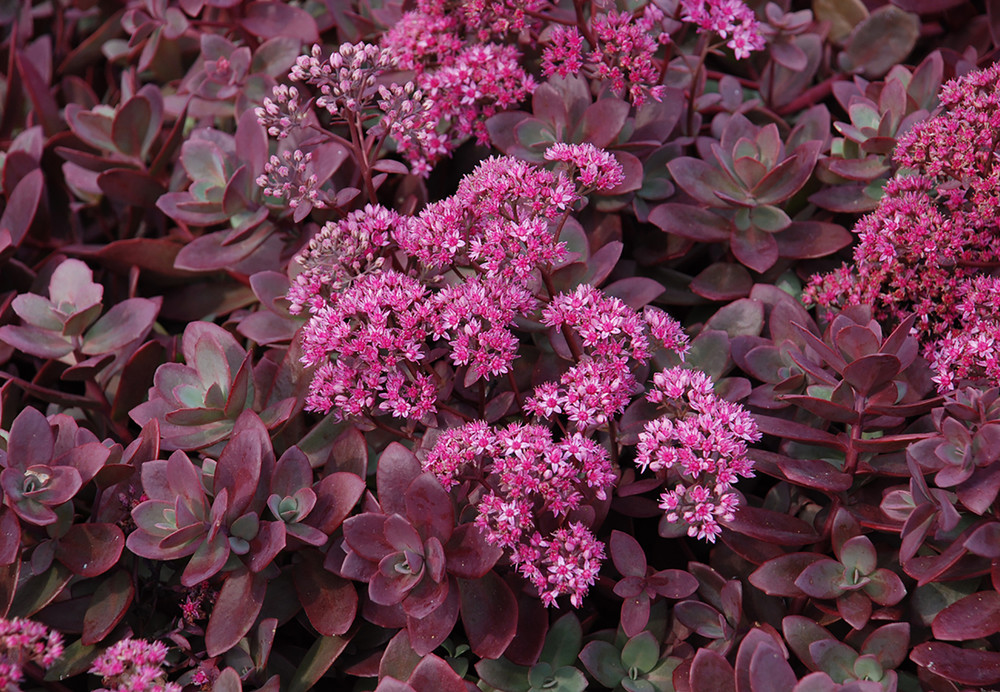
134,665
531,480
22,641
607,327
595,169
730,19
703,442
563,55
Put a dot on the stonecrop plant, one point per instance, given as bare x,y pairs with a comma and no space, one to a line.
499,346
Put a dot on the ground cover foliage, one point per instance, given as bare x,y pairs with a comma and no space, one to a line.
504,345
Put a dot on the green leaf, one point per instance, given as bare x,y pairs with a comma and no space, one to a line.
562,645
641,653
317,661
603,661
503,675
76,659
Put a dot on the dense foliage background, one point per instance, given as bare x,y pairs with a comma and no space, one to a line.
499,345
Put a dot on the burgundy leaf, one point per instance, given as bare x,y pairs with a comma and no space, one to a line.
856,609
469,555
397,467
973,617
985,541
22,205
429,506
267,19
108,606
124,323
702,181
964,666
627,555
30,441
711,672
130,124
889,644
603,120
812,239
796,431
489,614
426,634
365,534
755,249
235,610
434,674
90,550
635,291
691,222
240,464
722,281
777,577
36,342
10,536
772,527
329,601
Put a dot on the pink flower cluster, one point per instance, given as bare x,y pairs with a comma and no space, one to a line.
729,19
607,327
377,327
623,54
925,248
590,394
424,40
601,384
22,641
340,253
482,80
971,353
533,483
488,18
379,287
699,446
498,221
593,168
133,665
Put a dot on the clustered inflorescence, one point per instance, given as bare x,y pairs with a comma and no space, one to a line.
928,246
23,641
388,295
133,665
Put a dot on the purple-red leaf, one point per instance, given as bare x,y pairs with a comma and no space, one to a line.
22,204
330,601
108,606
964,666
627,554
489,614
973,617
235,610
397,467
90,549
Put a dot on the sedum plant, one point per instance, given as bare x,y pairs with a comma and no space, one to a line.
464,345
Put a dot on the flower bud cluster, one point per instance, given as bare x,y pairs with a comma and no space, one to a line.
282,113
289,177
346,80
